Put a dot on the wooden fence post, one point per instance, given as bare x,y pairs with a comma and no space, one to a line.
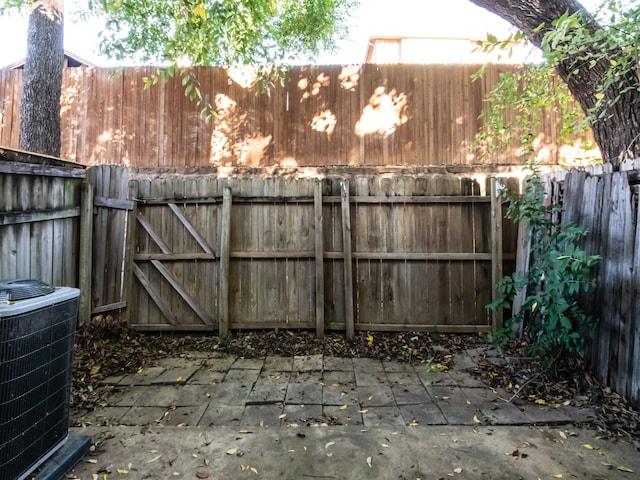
496,252
319,253
86,253
225,248
129,250
346,247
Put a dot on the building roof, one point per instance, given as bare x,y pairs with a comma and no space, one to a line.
412,49
70,60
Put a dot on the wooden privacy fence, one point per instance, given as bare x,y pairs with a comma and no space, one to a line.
43,214
203,252
356,115
607,204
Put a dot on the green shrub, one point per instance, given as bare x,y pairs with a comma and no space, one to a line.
550,317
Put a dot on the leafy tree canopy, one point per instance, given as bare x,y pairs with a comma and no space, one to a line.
219,32
596,55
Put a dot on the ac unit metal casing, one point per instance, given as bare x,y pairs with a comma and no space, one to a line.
36,361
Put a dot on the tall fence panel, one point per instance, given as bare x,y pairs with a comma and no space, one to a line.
112,211
360,252
358,115
40,213
607,204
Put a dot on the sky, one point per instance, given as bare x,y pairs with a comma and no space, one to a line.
424,18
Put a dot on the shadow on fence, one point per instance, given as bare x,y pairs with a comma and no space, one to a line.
607,204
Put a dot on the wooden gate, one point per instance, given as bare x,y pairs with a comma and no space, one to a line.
360,253
174,262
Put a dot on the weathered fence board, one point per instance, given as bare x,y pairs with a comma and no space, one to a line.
367,115
40,211
608,206
219,253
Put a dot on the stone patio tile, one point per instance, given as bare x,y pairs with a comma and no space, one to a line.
307,363
143,415
221,364
424,414
248,363
217,415
430,377
158,396
245,377
304,394
143,377
278,363
367,365
337,363
549,415
190,395
349,416
102,416
403,378
380,396
267,394
127,396
261,416
466,379
183,416
455,406
303,415
410,394
382,417
230,393
207,376
371,379
186,361
339,377
175,375
306,377
340,395
397,367
273,377
112,380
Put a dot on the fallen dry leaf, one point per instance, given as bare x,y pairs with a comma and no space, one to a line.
622,468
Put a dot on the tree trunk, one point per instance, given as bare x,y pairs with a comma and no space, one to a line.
618,132
42,79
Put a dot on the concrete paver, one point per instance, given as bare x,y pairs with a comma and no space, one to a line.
143,377
276,362
207,376
378,396
308,363
267,394
179,375
304,417
304,394
248,363
340,395
339,377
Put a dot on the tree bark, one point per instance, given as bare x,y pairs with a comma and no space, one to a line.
42,79
618,132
